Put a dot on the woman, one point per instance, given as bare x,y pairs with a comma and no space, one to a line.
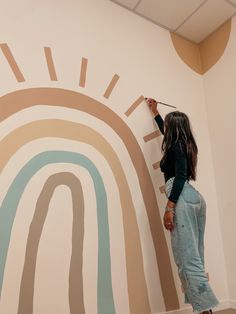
185,212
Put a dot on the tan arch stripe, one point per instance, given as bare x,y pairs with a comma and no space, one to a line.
50,64
19,100
76,297
12,62
137,289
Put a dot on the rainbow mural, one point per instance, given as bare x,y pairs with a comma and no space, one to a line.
45,127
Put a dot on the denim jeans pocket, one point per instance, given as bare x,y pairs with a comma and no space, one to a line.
190,195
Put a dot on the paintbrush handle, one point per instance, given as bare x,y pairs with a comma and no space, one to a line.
162,103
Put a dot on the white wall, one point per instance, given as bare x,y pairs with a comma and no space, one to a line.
116,41
219,84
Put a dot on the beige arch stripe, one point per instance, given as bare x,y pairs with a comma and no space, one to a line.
76,297
137,289
12,62
50,63
19,100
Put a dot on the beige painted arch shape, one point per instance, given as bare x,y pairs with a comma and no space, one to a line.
19,100
76,298
203,56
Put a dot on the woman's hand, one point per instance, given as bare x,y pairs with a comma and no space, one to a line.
168,220
152,103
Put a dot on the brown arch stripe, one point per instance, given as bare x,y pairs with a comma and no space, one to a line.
76,297
19,100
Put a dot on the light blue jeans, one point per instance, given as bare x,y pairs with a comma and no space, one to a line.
187,242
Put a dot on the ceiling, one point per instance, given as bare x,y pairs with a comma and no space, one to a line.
191,19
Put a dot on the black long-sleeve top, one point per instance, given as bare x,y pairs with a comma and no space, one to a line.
175,164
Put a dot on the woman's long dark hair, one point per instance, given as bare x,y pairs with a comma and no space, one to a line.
177,128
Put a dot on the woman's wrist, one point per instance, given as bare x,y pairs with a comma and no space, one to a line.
155,113
170,204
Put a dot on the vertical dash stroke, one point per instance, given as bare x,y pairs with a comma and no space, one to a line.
50,63
83,72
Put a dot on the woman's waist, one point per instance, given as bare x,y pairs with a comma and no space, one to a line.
169,184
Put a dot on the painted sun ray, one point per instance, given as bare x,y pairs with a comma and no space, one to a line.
12,62
111,86
50,63
134,106
9,207
156,165
83,72
151,136
162,189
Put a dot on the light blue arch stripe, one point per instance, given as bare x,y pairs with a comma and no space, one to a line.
10,203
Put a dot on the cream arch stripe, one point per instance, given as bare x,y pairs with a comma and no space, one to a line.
19,100
76,298
137,288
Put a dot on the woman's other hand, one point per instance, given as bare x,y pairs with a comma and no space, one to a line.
168,220
152,103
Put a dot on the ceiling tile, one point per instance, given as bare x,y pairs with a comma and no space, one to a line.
127,3
169,13
207,19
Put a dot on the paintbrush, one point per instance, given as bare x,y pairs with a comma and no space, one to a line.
162,103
